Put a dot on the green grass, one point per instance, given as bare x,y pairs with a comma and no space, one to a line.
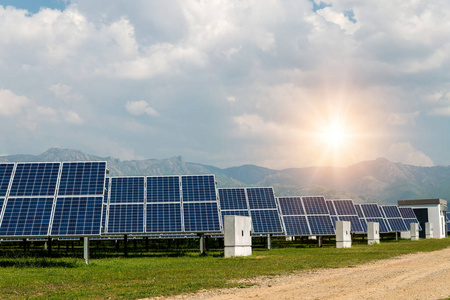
163,272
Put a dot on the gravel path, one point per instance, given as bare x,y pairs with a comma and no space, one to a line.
412,276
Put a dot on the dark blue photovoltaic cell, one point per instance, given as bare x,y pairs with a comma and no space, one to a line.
380,221
261,198
371,210
354,223
397,224
77,216
291,206
201,217
391,211
82,178
127,190
330,207
163,217
266,221
448,226
199,188
232,199
165,189
363,224
315,206
321,225
35,179
296,225
408,213
5,176
26,217
447,214
334,219
126,218
345,208
408,222
104,216
359,211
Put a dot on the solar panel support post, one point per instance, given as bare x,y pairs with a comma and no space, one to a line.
86,250
396,236
49,246
146,243
269,242
319,241
125,245
202,244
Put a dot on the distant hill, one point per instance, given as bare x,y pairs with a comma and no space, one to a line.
378,181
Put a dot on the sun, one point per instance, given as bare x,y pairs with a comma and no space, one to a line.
334,135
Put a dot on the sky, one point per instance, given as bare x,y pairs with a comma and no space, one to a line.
278,84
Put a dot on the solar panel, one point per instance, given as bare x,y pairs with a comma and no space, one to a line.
82,179
5,177
163,218
266,221
201,217
382,225
199,188
345,208
318,217
355,223
346,211
330,207
296,225
334,219
408,213
315,205
448,221
391,211
321,225
35,179
127,190
363,224
81,216
397,224
126,218
261,198
359,211
232,199
291,206
26,217
165,189
371,210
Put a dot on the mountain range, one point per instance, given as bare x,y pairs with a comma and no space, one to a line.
378,180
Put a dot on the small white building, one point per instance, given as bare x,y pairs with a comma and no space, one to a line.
429,211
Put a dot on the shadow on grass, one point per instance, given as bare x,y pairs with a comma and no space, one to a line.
38,263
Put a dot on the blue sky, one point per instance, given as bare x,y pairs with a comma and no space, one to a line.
275,83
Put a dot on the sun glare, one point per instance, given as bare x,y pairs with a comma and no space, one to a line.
334,135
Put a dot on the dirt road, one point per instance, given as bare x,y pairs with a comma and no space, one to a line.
412,276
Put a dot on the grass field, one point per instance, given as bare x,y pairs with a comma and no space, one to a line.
169,269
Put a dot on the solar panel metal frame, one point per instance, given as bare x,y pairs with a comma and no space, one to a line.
373,208
255,212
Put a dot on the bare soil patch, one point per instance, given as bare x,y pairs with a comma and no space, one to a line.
412,276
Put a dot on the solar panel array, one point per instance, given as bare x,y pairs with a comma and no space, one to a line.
409,216
258,203
162,205
394,218
51,199
345,211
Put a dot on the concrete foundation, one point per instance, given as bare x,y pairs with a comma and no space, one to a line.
373,233
343,236
414,232
429,230
237,238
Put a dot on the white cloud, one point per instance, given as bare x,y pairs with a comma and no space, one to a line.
12,104
72,117
403,118
231,99
407,154
140,108
338,18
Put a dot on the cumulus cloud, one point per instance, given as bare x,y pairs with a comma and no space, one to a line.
137,108
407,154
12,104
